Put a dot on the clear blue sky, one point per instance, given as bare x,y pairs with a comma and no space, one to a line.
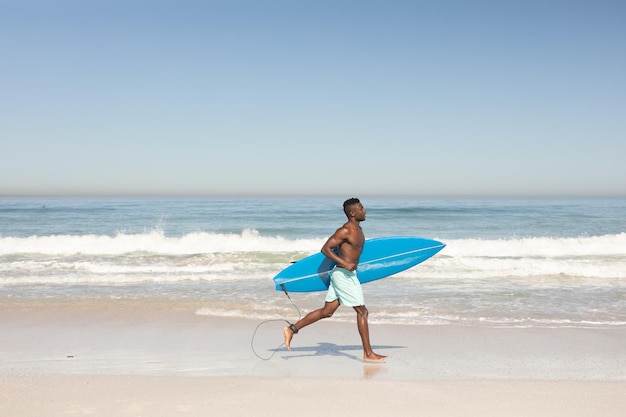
313,97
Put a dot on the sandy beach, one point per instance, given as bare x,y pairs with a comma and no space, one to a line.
161,358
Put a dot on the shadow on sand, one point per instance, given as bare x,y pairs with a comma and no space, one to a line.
331,349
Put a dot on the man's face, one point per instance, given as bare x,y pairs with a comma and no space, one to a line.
359,212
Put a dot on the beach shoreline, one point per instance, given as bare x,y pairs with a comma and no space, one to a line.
159,357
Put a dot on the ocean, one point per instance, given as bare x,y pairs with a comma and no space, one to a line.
508,262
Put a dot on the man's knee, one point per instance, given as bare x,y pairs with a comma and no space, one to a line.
327,313
361,311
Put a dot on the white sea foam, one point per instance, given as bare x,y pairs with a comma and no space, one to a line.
153,242
251,241
205,256
540,247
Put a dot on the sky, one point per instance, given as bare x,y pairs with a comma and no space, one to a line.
416,98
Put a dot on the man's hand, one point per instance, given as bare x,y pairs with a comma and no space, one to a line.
350,266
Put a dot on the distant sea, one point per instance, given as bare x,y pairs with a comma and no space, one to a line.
507,263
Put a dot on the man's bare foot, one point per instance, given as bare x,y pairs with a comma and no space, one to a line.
288,335
374,358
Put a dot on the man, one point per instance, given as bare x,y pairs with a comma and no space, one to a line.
344,287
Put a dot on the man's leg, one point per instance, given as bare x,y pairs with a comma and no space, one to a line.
321,313
361,321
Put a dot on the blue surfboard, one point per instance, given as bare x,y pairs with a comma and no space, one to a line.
381,257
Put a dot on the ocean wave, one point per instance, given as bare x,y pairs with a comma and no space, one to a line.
156,242
547,247
154,257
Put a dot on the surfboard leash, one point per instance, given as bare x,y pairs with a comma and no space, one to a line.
291,325
291,301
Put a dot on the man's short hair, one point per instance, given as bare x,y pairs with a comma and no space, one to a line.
348,204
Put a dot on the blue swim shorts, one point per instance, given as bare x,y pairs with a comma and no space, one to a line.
345,286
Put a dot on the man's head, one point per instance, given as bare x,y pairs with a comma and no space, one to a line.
353,208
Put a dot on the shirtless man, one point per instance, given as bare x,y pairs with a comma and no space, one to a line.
344,286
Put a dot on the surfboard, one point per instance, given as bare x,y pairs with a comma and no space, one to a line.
381,258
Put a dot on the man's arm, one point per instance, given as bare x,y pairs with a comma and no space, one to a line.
337,239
